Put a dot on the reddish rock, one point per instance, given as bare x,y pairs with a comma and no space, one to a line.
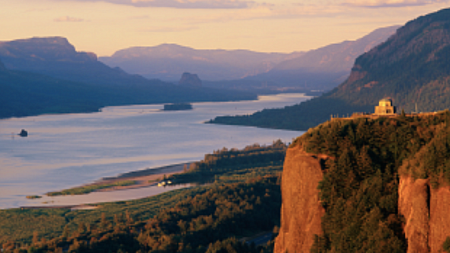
413,205
426,214
439,218
301,210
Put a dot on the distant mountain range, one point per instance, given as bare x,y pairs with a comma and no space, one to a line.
411,67
169,61
326,67
323,68
56,57
47,75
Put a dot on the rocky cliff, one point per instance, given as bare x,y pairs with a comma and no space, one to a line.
427,222
368,185
301,211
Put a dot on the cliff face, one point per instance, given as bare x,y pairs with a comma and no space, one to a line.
439,218
301,211
368,185
426,214
413,205
427,223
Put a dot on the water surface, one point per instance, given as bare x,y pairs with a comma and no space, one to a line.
63,151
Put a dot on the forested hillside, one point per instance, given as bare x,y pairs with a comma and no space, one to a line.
411,67
241,198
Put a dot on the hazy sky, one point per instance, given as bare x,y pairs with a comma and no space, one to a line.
104,26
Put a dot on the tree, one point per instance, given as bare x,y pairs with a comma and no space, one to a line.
35,239
66,231
446,245
81,227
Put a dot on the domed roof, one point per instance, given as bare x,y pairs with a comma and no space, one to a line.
385,100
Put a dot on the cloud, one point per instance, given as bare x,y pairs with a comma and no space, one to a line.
264,11
68,19
182,4
391,3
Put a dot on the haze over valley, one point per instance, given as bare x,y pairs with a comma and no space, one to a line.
319,69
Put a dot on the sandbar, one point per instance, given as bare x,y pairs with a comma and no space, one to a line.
144,178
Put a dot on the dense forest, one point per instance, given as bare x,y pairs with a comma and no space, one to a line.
243,199
296,117
234,162
360,187
411,68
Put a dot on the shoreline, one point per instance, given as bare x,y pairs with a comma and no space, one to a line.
148,172
100,108
144,178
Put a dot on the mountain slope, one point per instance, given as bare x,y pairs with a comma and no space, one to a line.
326,67
26,94
412,66
47,75
169,61
337,57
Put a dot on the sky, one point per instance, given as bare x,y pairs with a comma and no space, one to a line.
105,26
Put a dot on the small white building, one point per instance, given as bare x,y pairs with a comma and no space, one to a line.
385,107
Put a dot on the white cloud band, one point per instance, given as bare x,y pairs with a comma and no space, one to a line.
182,4
391,3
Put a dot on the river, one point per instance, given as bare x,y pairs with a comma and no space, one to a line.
67,150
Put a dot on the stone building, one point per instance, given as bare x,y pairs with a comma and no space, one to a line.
385,107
